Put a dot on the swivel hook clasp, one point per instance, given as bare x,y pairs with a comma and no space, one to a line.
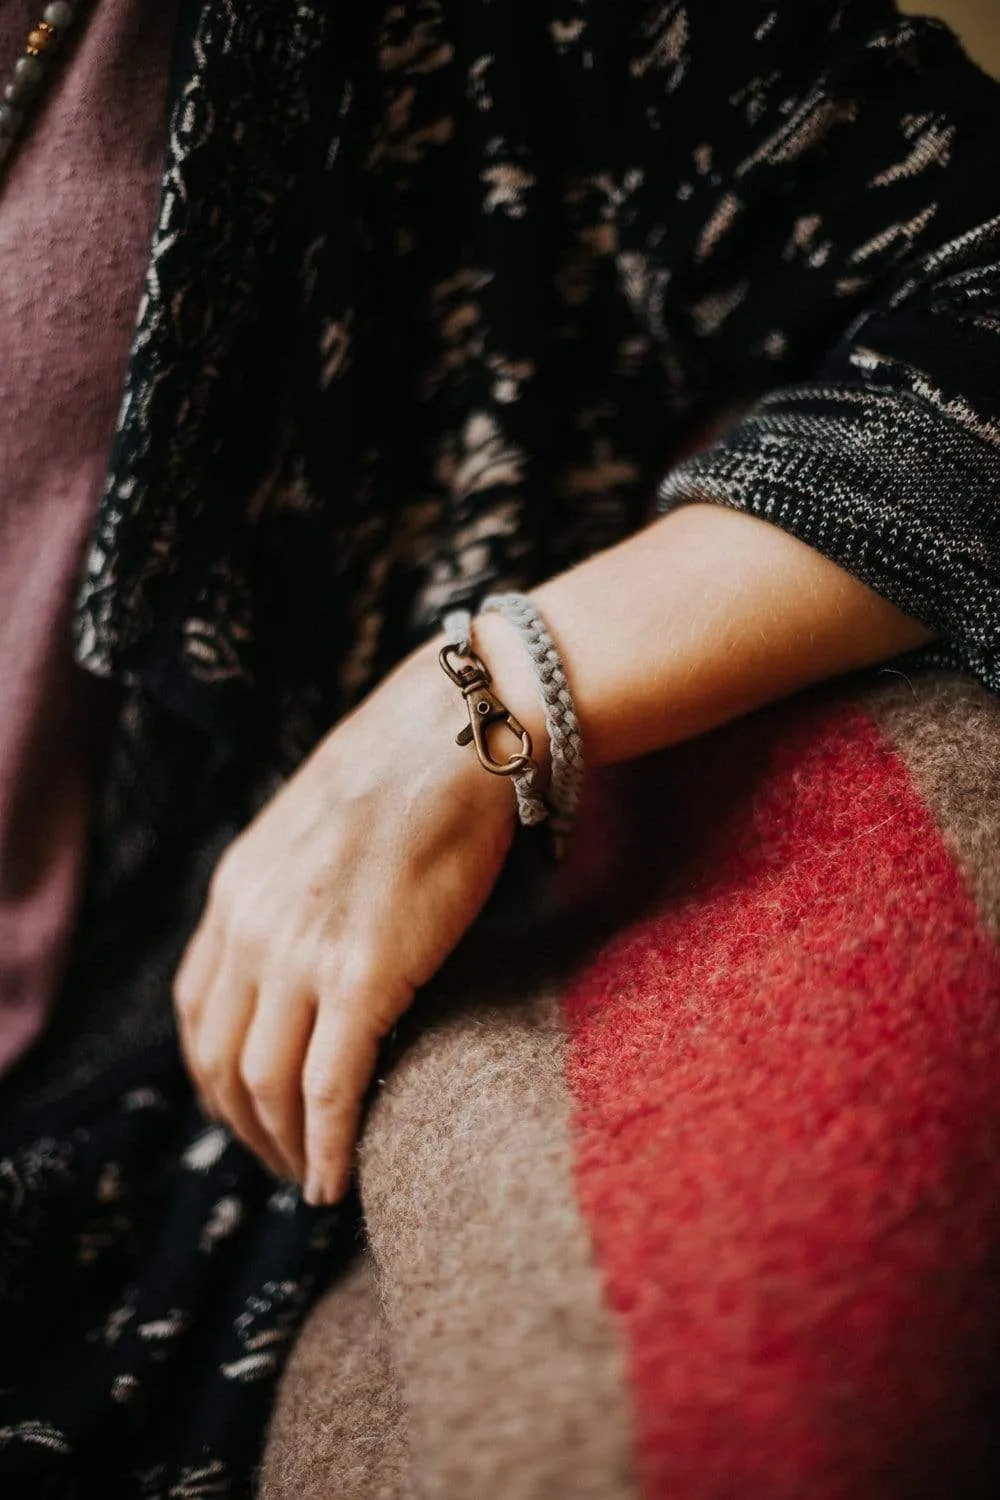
485,709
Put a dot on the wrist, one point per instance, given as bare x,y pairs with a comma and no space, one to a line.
446,715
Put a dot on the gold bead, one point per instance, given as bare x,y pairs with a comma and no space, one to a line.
42,39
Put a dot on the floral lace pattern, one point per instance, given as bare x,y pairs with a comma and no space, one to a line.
437,290
146,1259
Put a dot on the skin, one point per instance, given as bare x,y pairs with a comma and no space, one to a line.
342,899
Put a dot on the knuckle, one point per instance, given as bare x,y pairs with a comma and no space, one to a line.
348,964
326,1096
229,1109
248,927
261,1081
357,986
228,881
327,971
212,1068
362,968
184,995
220,886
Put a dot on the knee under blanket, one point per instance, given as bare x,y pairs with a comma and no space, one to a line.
683,1180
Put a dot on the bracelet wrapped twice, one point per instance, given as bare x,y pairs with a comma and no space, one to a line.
471,675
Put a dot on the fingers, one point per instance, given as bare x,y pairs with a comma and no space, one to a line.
338,1068
199,963
272,1069
193,982
245,1053
287,1071
218,1045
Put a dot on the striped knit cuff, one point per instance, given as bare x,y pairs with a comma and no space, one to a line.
895,490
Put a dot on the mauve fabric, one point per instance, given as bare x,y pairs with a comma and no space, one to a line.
76,216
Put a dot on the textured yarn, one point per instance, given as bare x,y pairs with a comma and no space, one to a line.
531,805
561,722
708,1211
788,1142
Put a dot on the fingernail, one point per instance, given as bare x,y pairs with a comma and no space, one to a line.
313,1190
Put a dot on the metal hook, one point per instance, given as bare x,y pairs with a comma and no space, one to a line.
485,709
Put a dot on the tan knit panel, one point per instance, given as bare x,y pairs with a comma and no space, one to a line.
510,1360
338,1429
947,729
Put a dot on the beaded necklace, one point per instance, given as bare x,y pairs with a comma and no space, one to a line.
30,72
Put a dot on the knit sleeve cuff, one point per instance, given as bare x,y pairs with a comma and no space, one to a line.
899,489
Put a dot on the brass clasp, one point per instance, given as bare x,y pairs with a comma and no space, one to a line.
485,709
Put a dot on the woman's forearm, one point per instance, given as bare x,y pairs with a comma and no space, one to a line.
301,963
705,615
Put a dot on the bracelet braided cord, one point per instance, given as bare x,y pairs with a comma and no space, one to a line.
561,722
531,808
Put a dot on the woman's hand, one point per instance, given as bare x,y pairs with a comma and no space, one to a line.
357,881
326,916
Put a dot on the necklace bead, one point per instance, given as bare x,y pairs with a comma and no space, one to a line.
29,73
11,119
29,70
41,40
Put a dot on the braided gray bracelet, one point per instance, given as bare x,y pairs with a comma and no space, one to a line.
531,808
561,722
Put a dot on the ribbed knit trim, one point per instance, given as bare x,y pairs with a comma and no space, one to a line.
899,490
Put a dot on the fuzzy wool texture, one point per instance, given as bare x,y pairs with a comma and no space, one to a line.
948,732
788,1132
688,1189
512,1367
339,1427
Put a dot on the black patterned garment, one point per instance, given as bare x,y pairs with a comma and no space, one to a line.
439,292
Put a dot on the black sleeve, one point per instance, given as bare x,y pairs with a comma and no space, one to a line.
888,462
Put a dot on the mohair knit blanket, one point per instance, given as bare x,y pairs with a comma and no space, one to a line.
683,1182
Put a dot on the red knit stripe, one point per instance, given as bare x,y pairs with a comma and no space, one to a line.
788,1111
